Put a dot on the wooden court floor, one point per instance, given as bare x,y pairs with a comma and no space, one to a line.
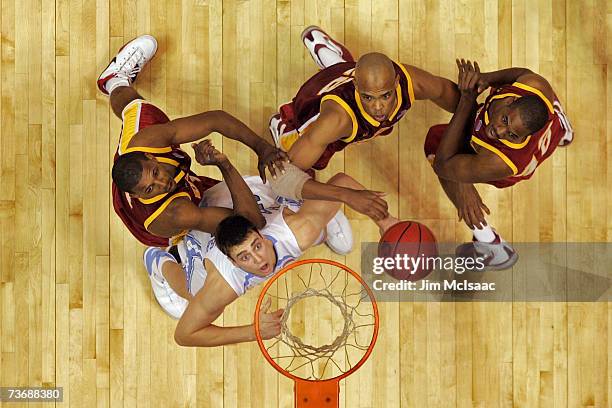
76,309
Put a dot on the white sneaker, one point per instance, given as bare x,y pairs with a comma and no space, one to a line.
129,61
339,234
167,298
316,40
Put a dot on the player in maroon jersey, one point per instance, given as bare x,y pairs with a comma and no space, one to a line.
154,191
350,101
499,142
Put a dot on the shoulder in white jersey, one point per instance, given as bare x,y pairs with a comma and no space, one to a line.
198,246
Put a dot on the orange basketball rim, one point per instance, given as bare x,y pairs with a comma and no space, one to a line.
355,295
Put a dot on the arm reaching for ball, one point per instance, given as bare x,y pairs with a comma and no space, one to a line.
297,185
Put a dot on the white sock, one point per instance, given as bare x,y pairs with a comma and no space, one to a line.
329,57
115,82
484,234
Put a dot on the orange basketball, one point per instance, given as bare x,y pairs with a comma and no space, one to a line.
414,243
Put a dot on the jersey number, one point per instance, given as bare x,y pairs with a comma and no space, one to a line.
345,78
544,143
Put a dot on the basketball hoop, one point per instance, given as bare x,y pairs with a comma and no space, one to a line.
349,319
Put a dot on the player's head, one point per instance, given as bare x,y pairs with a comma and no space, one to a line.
514,120
376,83
240,240
141,175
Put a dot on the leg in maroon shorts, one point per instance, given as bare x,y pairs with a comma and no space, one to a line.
324,159
121,97
432,141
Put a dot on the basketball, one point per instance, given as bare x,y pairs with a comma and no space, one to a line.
409,239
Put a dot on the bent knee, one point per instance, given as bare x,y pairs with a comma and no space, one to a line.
338,177
432,140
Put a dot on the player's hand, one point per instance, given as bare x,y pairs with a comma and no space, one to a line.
206,154
483,82
370,203
269,323
272,158
469,75
471,209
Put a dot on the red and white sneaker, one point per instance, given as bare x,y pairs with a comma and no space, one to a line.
323,49
129,61
498,255
567,139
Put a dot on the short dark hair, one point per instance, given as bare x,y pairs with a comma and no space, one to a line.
533,111
233,231
127,171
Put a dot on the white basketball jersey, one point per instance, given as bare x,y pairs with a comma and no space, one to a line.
198,246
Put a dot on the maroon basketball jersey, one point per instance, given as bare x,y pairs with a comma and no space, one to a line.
523,158
136,213
336,83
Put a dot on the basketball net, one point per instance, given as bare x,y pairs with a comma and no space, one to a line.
328,327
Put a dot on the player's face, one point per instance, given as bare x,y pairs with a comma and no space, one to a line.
255,255
379,101
155,179
505,123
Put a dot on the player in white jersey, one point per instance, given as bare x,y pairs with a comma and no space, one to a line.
174,287
200,246
217,270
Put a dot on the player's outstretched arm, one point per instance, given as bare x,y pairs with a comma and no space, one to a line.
242,196
314,215
501,77
332,124
195,328
367,202
196,127
440,91
511,75
298,185
449,163
183,215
